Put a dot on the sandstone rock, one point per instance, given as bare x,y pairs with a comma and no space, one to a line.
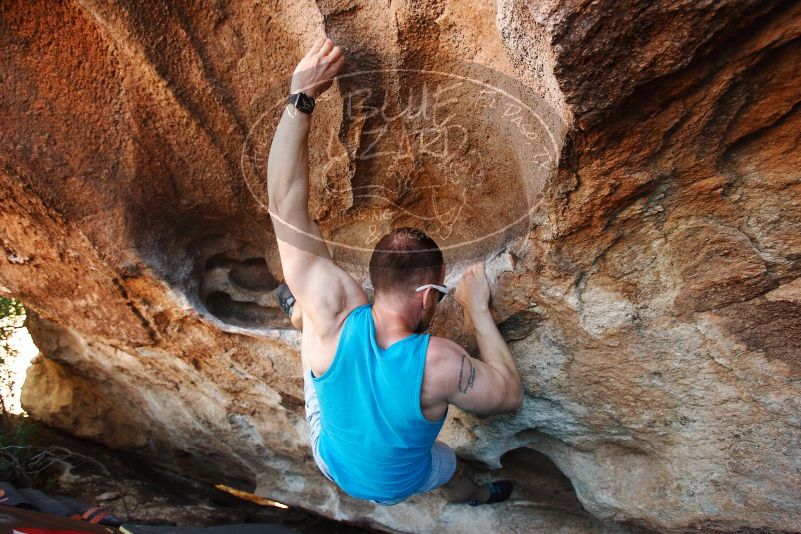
64,400
628,171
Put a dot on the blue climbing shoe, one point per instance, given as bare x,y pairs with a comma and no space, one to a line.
500,490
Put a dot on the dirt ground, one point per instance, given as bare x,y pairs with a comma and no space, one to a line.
139,492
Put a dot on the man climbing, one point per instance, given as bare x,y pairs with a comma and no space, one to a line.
377,388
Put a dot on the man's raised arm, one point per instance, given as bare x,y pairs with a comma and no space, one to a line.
317,283
491,384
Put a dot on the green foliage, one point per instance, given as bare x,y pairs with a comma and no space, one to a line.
11,308
15,431
12,318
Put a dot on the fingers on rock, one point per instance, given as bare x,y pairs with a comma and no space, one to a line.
335,53
317,45
327,47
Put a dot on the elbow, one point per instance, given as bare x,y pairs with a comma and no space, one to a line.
516,401
277,214
277,191
274,199
278,208
514,392
512,401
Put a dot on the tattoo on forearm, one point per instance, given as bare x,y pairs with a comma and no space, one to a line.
466,376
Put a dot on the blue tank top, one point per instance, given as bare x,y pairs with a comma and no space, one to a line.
374,437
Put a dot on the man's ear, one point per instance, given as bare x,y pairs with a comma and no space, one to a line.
427,297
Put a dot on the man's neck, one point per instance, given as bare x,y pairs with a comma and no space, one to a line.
393,320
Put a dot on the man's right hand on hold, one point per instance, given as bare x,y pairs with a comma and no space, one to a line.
473,291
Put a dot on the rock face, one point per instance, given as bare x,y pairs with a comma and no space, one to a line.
629,171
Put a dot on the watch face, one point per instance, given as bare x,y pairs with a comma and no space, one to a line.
307,101
303,102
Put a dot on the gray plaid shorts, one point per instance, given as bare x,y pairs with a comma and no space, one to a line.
443,459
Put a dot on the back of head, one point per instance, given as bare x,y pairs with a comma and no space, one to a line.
403,260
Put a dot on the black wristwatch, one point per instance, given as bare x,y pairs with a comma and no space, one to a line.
302,101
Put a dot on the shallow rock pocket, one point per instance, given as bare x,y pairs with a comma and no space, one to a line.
237,287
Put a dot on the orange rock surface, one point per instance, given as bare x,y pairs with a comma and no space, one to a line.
628,170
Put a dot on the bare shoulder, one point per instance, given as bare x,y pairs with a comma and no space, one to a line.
442,359
437,384
328,296
330,289
441,349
